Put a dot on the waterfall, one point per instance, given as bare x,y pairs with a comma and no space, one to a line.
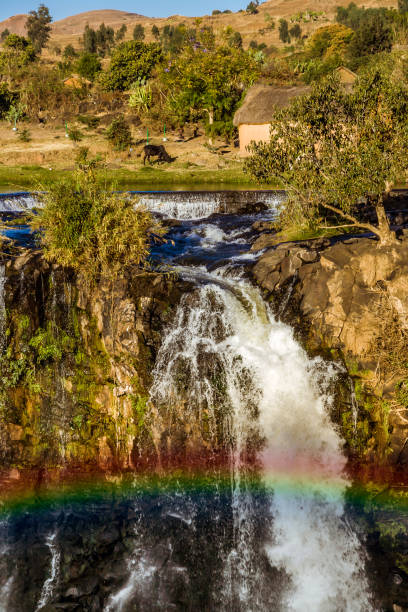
277,397
2,308
50,582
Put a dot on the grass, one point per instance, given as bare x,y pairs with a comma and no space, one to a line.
25,178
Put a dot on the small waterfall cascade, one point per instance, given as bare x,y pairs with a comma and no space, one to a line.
51,580
274,403
2,308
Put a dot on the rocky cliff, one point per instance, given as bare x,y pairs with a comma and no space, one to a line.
75,366
348,298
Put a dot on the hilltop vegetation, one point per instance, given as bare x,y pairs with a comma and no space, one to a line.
184,77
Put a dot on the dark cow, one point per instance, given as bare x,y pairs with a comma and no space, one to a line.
156,151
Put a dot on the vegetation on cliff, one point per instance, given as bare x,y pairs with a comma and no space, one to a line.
85,226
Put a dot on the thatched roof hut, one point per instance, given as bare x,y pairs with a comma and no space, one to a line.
253,118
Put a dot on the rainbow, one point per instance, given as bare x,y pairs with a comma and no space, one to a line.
384,488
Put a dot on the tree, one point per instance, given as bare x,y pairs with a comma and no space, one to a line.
208,83
130,60
252,7
284,31
120,34
69,52
155,32
372,36
104,39
119,134
38,27
403,6
235,40
4,34
332,151
330,40
138,32
295,31
88,66
89,40
18,52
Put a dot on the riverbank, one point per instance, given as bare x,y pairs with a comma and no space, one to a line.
22,178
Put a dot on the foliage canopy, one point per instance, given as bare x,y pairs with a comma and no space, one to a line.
209,82
334,151
38,27
130,60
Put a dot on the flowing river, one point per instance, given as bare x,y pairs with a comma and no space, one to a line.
269,530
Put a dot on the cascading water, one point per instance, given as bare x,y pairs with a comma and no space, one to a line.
50,582
270,395
235,398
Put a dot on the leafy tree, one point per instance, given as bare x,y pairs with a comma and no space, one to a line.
155,32
203,82
88,66
130,60
4,34
330,40
105,38
252,7
69,52
119,134
235,40
284,31
138,32
15,113
295,31
372,36
38,27
7,99
403,6
85,226
17,53
89,40
334,150
120,34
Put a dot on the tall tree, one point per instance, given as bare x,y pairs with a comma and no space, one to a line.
130,61
38,27
89,40
4,34
337,153
208,83
284,31
138,32
155,32
120,34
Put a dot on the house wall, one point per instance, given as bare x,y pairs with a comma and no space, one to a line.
248,132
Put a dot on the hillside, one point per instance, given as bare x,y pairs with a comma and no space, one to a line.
69,29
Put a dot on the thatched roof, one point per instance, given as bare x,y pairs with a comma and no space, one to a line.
261,102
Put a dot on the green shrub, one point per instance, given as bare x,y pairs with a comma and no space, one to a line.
85,226
74,134
24,135
119,134
90,122
7,99
88,66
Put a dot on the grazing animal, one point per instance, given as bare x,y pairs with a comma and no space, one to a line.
156,151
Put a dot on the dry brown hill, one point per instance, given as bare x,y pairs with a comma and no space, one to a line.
252,27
